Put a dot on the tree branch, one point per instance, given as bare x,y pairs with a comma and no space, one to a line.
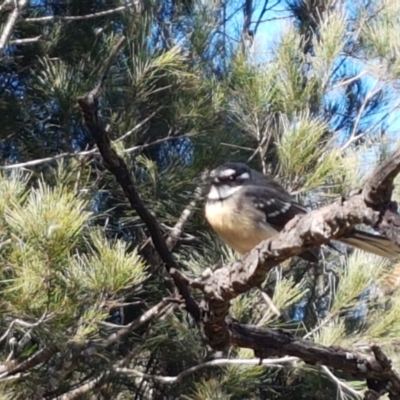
117,166
275,342
19,42
147,316
274,362
15,12
379,187
340,384
84,388
83,17
179,227
14,366
314,229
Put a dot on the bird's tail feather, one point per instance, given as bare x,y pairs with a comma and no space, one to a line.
371,243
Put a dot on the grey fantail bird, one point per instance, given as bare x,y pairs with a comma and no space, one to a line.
245,207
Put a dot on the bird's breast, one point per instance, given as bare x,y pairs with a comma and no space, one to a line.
240,228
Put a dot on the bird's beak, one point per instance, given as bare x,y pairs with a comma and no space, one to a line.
213,177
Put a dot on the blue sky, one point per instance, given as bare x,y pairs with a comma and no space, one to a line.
268,36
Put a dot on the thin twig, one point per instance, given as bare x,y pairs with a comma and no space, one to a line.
10,23
85,388
179,227
156,310
234,146
353,136
263,11
156,142
348,81
274,362
84,153
271,304
340,383
39,161
138,126
274,19
323,323
24,324
105,68
25,41
83,17
39,357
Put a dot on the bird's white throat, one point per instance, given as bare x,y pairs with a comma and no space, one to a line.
222,192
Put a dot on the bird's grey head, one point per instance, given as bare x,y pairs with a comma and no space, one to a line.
228,179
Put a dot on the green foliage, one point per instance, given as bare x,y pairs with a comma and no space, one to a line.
13,190
207,390
255,97
379,36
291,80
50,218
180,98
328,45
60,80
108,267
332,333
287,292
384,327
44,229
362,270
302,154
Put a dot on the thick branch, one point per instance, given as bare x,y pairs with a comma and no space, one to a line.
379,187
117,166
269,342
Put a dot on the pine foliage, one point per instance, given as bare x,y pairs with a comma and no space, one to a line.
315,107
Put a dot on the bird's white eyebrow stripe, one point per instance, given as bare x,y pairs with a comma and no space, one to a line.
227,172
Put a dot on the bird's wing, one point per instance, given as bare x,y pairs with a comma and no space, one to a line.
277,206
